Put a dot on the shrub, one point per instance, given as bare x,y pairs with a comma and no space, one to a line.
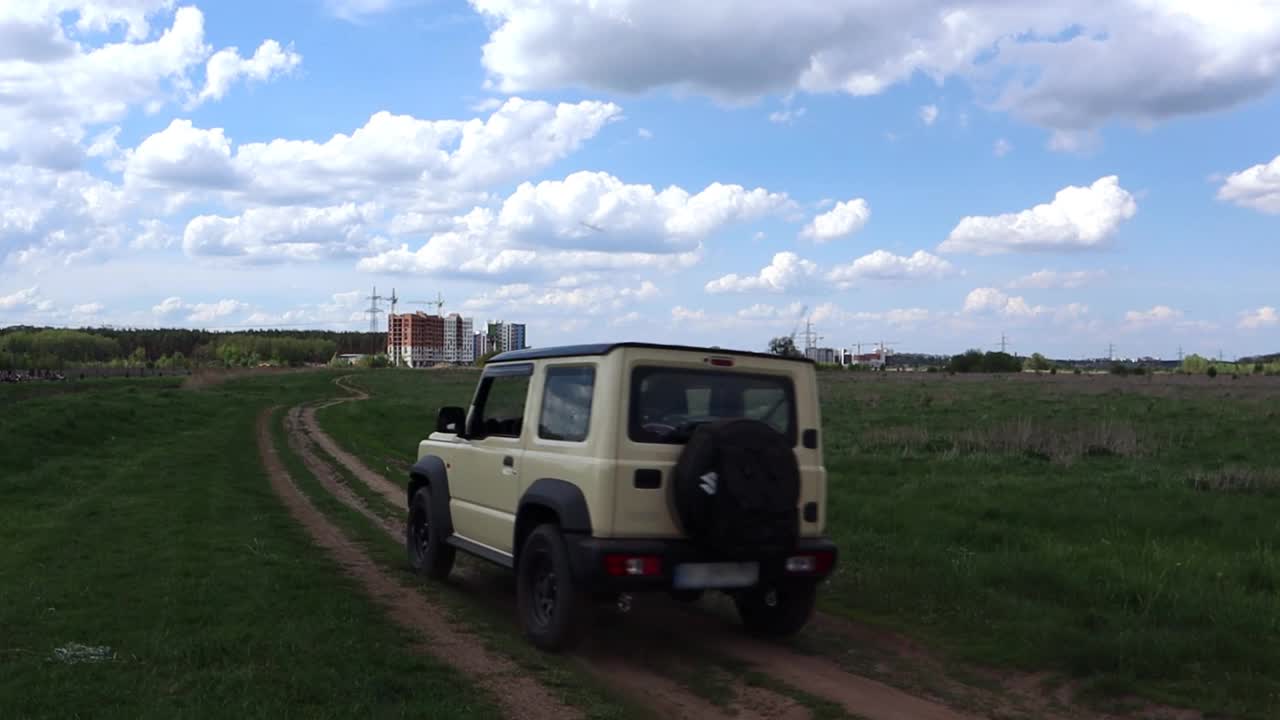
1212,372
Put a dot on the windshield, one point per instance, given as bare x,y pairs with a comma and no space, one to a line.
668,404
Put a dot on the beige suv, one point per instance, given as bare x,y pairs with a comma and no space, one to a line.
596,471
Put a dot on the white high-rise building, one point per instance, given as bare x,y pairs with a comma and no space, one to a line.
459,341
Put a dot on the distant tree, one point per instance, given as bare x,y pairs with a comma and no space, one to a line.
1195,365
784,345
1212,372
1039,363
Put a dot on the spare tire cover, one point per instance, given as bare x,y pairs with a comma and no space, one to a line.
736,488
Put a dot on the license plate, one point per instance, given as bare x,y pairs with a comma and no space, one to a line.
698,576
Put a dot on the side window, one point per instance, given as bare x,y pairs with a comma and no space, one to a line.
501,409
566,403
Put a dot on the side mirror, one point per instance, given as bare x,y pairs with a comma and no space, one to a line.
451,420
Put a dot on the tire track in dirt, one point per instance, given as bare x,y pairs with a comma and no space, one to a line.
518,695
815,675
376,481
666,697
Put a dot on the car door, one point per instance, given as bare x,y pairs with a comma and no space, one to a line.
484,502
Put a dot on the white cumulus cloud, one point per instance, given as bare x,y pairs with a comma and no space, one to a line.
1077,218
994,302
389,157
1263,317
1072,65
226,66
55,88
1257,187
587,221
845,219
284,233
884,265
787,272
1053,279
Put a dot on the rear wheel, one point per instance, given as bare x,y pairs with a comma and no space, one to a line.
776,612
554,610
429,554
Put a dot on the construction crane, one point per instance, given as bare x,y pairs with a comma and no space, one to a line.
796,328
438,303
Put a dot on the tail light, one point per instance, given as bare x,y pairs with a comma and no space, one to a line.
632,565
814,563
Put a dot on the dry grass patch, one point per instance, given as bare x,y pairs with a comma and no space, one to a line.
1237,480
1023,436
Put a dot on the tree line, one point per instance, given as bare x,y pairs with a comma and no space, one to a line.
31,348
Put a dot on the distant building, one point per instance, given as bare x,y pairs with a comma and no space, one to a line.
415,339
821,355
872,360
350,358
421,340
459,345
479,345
505,337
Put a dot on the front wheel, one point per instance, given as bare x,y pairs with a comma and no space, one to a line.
554,610
429,554
776,612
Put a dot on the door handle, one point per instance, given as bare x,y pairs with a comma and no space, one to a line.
508,461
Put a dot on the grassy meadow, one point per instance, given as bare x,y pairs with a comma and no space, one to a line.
1118,532
135,517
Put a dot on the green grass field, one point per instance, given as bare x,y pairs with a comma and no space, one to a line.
135,515
1118,532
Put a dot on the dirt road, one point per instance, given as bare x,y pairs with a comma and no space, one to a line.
661,649
627,654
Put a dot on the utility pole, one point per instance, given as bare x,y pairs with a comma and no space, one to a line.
395,346
373,312
1179,354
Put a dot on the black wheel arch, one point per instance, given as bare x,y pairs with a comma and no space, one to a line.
551,500
430,472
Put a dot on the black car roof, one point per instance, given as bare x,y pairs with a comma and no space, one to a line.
606,348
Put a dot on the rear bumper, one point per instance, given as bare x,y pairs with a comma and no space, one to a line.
587,555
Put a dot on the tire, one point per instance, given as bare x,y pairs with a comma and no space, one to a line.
554,610
787,616
429,554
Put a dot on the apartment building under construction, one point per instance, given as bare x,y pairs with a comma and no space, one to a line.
420,340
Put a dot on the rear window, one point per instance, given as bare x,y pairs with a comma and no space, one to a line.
668,404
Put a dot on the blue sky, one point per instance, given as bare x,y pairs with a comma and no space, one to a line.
933,173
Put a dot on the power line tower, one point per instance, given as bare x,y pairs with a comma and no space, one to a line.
1004,343
373,312
1111,351
811,338
395,348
